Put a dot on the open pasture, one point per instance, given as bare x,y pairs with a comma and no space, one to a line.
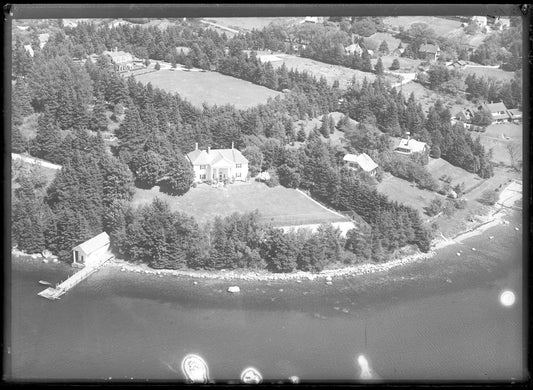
259,23
489,73
319,69
441,26
209,87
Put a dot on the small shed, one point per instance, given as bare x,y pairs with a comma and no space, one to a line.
89,252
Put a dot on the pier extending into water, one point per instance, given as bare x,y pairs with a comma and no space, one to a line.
56,292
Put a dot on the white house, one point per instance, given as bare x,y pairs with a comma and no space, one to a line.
498,111
120,59
409,146
353,48
313,19
218,164
515,115
91,251
29,49
502,23
361,161
481,21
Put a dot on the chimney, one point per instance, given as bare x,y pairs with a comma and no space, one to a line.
232,144
208,149
116,49
196,146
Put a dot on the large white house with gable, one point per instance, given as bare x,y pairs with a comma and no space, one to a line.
218,164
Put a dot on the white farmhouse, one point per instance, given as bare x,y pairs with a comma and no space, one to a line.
409,146
361,161
218,164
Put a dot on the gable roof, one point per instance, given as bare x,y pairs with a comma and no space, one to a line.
495,107
119,56
93,244
412,144
201,157
515,112
427,48
363,160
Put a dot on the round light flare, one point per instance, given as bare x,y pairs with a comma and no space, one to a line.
507,298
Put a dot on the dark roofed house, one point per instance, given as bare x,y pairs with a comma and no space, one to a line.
429,52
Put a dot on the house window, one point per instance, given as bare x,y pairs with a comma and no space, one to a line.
238,165
203,166
238,174
202,176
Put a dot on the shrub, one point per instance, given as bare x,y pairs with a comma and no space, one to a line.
488,197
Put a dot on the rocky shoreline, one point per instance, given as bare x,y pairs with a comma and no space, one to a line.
493,218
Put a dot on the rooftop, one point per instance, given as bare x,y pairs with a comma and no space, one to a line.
496,107
216,156
427,48
364,161
94,243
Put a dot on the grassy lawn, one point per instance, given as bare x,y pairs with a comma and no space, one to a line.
460,221
442,27
405,192
251,23
496,74
17,166
439,167
319,69
209,87
499,138
406,64
28,128
278,205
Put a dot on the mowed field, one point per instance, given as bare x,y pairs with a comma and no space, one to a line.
209,87
318,69
489,73
251,23
441,26
504,140
438,167
402,191
279,206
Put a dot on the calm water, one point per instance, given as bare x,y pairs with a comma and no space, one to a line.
118,325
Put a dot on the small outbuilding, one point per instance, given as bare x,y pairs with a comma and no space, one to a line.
91,251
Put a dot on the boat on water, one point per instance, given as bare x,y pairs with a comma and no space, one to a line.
45,283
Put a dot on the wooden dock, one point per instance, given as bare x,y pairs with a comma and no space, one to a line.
54,293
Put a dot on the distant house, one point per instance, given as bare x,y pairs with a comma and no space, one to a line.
29,50
361,162
515,115
120,59
353,48
398,51
481,21
218,164
314,19
429,52
502,23
91,251
410,146
498,111
183,50
457,64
